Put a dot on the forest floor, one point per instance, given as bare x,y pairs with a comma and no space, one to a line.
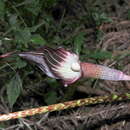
103,39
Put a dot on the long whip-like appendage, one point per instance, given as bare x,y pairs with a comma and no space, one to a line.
8,54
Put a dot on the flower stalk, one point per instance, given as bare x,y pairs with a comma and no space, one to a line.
65,105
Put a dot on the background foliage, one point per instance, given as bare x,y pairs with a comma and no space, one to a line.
30,24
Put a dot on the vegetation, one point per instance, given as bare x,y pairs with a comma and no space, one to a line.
77,25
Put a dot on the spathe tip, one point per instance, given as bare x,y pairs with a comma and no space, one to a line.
126,77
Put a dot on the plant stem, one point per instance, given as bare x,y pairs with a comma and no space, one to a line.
65,105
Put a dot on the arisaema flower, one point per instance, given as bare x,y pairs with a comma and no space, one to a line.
66,66
56,63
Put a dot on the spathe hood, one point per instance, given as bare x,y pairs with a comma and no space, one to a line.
56,63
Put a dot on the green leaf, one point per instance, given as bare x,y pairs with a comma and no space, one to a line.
13,89
34,7
13,21
23,35
51,97
20,63
2,8
100,18
38,39
129,14
36,27
78,42
99,55
50,3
